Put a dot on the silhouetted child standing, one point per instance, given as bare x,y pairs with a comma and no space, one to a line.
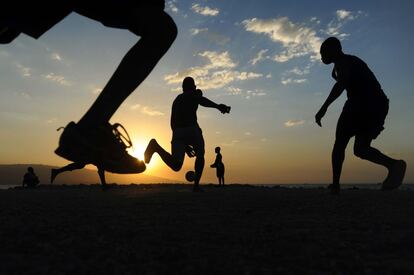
363,114
187,135
219,165
30,179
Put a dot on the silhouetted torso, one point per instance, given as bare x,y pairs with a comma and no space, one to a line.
184,110
359,81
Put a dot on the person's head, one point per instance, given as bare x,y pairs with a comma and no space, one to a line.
331,49
189,84
30,170
217,150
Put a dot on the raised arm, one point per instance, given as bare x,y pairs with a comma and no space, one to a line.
336,91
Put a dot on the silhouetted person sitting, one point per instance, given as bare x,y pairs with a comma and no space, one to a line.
187,135
30,179
219,165
363,114
93,139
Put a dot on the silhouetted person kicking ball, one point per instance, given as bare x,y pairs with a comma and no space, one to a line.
93,139
219,165
362,116
30,179
187,135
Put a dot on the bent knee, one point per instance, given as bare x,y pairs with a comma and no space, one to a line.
176,166
159,26
361,152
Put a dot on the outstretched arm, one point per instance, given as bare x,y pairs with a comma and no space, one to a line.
336,91
205,102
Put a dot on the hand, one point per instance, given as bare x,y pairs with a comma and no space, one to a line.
224,108
319,115
189,151
199,92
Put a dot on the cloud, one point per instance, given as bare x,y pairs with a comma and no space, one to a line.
269,75
259,57
298,71
247,133
172,6
56,56
57,78
292,123
146,110
24,71
342,17
196,31
286,81
255,93
216,73
211,36
234,91
52,120
206,11
296,39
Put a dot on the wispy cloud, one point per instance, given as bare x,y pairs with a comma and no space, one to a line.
216,73
60,79
205,10
259,57
255,93
52,120
146,110
342,17
286,81
195,31
56,56
172,6
296,39
23,70
292,123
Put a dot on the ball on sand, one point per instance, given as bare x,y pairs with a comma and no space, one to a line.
190,176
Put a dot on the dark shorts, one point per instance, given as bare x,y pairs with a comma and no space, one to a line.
36,17
362,119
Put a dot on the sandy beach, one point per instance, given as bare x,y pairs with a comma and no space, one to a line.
156,229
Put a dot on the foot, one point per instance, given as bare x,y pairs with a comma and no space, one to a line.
53,174
334,189
151,148
103,146
395,176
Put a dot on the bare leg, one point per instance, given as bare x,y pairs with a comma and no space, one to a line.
198,167
363,149
101,173
158,31
174,160
69,167
338,156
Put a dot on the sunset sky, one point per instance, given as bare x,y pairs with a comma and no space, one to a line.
260,57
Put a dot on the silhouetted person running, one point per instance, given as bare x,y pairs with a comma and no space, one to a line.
219,165
30,179
93,139
363,114
187,136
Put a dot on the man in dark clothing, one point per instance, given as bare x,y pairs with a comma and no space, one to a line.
363,114
187,134
30,179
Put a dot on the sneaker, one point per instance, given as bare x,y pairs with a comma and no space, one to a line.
103,146
395,176
152,145
334,189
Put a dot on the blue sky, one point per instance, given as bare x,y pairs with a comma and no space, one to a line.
260,57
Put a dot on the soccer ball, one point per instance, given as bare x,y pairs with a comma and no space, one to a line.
190,176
